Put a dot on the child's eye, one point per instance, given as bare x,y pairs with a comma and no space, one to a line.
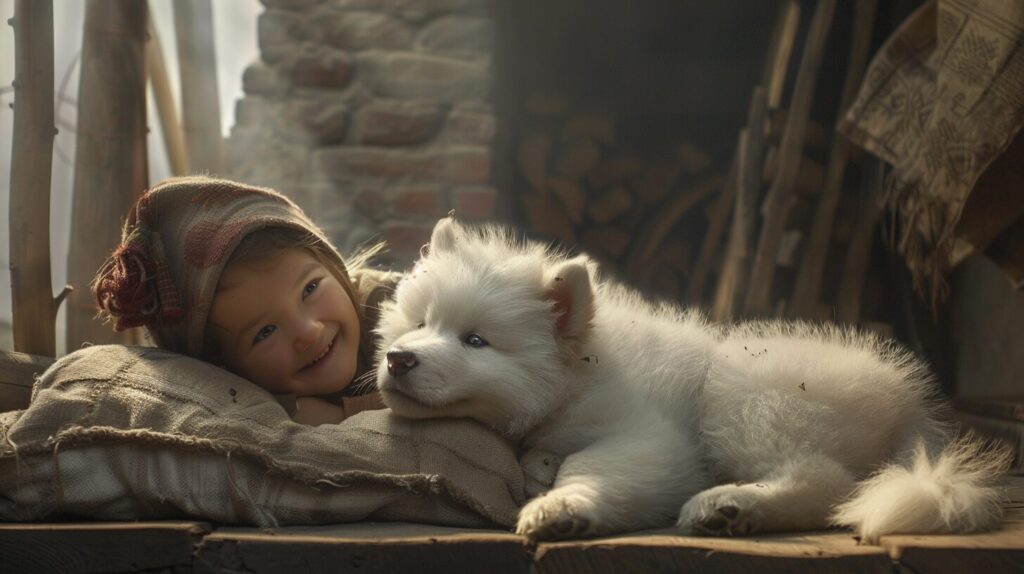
310,287
265,332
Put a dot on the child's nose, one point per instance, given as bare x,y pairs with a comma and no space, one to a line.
308,333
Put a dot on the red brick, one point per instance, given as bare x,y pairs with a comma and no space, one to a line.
475,202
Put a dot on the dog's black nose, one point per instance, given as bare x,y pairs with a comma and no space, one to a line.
401,362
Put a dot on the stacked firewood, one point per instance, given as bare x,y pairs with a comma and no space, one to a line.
788,230
589,190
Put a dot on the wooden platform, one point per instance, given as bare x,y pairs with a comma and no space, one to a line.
401,547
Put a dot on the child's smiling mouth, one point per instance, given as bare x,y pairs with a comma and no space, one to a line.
323,356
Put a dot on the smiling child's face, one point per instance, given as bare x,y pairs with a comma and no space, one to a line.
286,324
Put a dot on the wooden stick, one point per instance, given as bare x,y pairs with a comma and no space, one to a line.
722,305
780,48
807,289
747,199
780,197
174,141
110,157
200,100
848,301
34,310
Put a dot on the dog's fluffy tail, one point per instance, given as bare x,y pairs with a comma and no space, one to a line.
957,492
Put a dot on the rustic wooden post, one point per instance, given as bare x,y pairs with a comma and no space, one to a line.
110,157
200,100
34,307
780,197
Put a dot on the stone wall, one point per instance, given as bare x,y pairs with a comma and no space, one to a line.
375,115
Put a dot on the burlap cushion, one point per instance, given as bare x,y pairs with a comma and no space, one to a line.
125,433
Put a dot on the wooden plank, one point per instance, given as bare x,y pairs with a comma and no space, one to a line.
364,547
99,547
17,375
990,552
807,288
661,551
34,309
780,197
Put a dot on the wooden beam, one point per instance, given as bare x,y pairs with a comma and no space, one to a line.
34,309
807,288
110,157
200,100
780,196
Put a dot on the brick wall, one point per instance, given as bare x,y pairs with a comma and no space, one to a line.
375,115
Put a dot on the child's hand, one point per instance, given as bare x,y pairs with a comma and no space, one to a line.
315,411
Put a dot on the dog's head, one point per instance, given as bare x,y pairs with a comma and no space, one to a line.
484,327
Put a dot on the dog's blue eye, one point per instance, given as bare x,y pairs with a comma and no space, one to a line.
474,340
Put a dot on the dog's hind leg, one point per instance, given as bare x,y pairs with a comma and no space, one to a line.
797,495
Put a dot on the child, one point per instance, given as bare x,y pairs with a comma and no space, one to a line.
239,276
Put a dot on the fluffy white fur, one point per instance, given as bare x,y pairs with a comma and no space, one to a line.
633,415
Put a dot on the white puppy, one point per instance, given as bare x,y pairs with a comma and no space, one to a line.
628,414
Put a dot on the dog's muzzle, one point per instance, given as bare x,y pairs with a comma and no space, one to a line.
401,362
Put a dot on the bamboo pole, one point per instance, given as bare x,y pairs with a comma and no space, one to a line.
858,255
163,95
807,289
780,196
34,307
110,157
200,100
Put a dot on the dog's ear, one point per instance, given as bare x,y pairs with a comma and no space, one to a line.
572,297
445,235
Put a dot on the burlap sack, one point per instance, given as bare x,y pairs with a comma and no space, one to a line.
123,433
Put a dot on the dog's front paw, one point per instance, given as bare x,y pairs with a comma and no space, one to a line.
727,510
566,512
